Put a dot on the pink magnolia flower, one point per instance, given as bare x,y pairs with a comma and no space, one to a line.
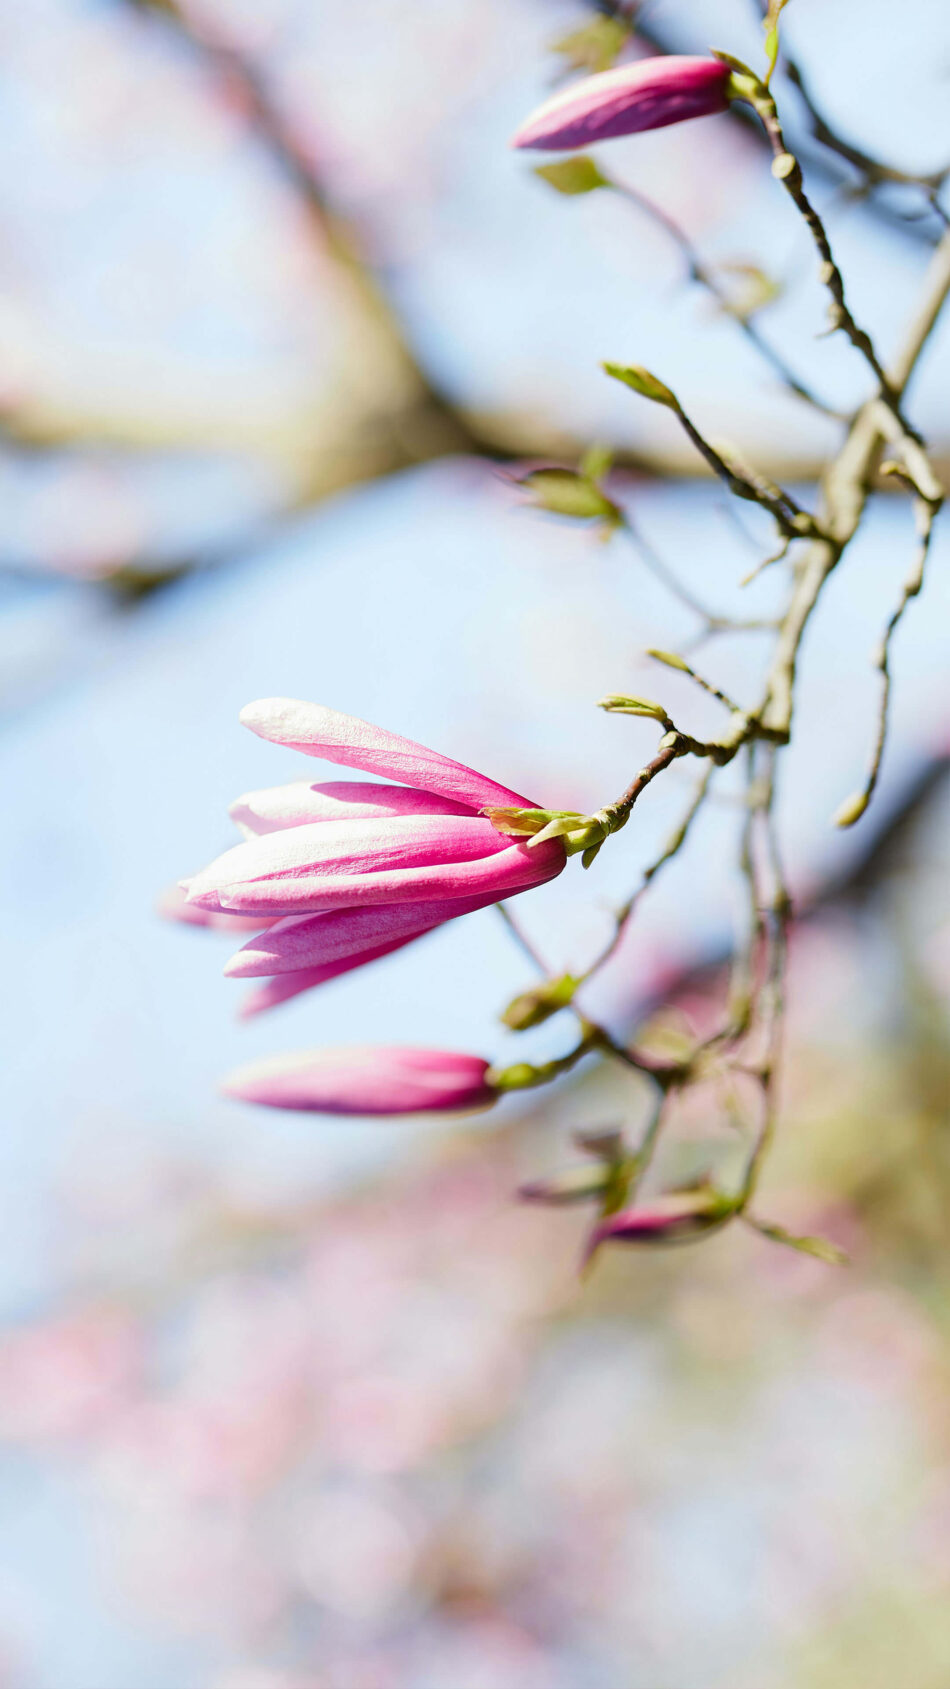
648,94
345,872
371,1080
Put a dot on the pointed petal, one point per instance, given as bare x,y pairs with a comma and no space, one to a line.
354,848
320,732
300,803
501,874
316,941
285,986
173,905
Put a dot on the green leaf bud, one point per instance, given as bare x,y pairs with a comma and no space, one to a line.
533,1007
642,382
564,492
617,704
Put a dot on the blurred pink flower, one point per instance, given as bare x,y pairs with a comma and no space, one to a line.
348,871
648,94
371,1080
676,1218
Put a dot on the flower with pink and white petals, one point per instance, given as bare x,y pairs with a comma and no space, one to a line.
371,1080
343,872
648,94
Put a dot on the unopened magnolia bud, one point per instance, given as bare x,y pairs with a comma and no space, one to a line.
647,94
783,165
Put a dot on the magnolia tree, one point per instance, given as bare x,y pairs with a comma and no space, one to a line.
331,876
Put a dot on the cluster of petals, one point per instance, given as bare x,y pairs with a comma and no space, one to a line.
331,876
647,94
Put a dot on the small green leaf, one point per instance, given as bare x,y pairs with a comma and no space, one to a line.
770,25
819,1247
670,658
572,176
617,704
642,382
564,492
595,45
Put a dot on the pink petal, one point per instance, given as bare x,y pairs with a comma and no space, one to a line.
285,986
330,848
368,1080
648,94
300,803
506,871
317,941
173,905
320,732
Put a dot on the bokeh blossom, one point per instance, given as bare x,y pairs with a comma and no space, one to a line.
371,1080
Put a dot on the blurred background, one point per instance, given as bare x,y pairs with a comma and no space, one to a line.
288,1403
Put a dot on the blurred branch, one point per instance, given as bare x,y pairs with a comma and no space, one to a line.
431,425
705,276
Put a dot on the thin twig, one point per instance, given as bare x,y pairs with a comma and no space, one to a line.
844,495
706,277
790,518
926,513
672,846
715,621
788,171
